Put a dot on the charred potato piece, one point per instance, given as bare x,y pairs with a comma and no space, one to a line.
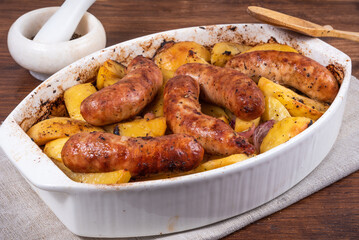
58,127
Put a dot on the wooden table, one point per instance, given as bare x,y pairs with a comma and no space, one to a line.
332,213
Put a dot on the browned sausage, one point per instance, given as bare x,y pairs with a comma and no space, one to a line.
104,152
125,98
288,69
227,88
182,111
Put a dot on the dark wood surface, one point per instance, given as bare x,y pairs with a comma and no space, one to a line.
332,213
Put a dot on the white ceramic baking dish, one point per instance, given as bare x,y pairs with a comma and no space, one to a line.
182,203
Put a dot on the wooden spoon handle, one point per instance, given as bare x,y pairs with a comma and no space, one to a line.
354,36
298,25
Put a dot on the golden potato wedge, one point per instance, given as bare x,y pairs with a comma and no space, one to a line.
109,73
242,125
74,96
272,46
214,111
274,110
213,163
223,51
216,162
167,74
53,148
298,109
58,127
115,177
172,55
193,57
297,105
284,130
140,128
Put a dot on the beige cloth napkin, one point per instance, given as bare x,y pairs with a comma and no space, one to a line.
24,216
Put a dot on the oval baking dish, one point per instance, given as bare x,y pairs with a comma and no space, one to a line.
182,203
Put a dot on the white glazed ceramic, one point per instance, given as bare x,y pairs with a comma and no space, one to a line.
44,59
171,205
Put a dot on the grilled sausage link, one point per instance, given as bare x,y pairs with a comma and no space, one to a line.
182,111
125,98
227,88
288,69
104,152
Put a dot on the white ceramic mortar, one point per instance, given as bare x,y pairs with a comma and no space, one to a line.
44,59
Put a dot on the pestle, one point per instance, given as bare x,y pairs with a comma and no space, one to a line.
61,26
51,49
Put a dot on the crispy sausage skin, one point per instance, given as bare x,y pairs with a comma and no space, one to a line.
104,152
227,88
288,69
182,111
125,98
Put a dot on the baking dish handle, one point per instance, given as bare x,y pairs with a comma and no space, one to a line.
33,164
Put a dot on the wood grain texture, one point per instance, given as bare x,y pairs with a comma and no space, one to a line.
332,213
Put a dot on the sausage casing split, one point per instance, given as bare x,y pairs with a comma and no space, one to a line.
227,88
288,69
104,152
127,97
182,112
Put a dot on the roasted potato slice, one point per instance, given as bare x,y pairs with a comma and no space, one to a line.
167,75
115,177
53,148
284,130
109,73
297,105
214,111
194,58
74,96
223,51
242,125
140,128
172,55
58,127
217,162
274,110
272,46
213,163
